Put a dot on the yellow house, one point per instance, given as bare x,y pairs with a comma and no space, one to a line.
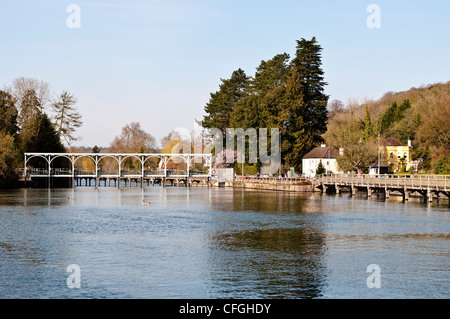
396,154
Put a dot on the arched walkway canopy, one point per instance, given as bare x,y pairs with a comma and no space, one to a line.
50,170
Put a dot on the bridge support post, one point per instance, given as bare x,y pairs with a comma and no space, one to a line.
406,194
337,188
429,195
353,190
369,191
387,192
324,188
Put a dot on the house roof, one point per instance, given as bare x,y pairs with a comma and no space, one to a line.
391,141
322,152
382,164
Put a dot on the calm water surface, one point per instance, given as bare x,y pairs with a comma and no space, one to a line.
219,243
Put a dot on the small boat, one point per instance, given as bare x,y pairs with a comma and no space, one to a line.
145,203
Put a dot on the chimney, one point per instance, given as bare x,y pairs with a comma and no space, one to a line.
322,145
409,143
341,151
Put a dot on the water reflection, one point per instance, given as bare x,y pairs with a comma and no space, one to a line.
268,263
265,247
218,243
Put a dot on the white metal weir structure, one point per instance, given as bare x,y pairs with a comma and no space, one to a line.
425,185
160,175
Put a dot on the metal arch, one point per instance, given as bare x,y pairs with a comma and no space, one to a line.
106,156
62,156
149,156
184,157
37,155
204,157
122,159
77,157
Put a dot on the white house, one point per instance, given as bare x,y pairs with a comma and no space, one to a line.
327,155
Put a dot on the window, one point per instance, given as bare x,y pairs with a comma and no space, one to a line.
405,155
392,155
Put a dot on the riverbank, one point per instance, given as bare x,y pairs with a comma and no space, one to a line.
293,187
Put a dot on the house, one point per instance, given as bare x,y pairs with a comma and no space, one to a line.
396,154
324,154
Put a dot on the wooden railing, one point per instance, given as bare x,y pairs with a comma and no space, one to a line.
388,180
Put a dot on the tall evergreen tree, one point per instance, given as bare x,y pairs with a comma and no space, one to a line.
303,113
222,103
367,125
320,169
271,74
47,139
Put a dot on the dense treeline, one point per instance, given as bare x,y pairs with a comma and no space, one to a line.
31,121
419,114
284,93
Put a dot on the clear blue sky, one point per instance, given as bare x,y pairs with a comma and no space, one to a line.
157,61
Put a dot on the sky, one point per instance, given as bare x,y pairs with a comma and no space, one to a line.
156,62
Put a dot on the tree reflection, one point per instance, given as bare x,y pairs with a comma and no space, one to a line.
281,257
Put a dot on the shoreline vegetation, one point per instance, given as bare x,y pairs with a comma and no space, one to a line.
285,93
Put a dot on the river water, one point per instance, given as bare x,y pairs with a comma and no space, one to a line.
220,243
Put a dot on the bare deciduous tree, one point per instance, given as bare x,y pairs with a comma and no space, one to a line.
22,85
335,107
133,139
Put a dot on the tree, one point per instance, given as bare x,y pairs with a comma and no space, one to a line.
357,157
436,127
8,114
222,103
367,124
307,68
29,121
320,169
173,135
271,74
132,139
334,107
96,149
47,138
22,85
442,165
303,113
260,108
393,114
8,160
66,118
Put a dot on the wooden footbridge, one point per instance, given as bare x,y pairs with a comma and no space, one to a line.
186,173
427,186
